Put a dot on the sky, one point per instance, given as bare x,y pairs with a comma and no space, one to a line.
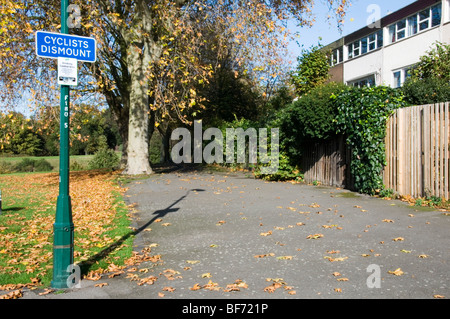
357,15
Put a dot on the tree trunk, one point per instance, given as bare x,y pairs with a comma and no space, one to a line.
137,151
141,52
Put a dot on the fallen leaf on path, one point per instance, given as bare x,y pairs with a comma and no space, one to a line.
396,272
149,280
266,234
264,255
398,239
101,285
315,236
285,257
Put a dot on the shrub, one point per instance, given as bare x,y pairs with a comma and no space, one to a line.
6,167
362,115
311,117
426,91
32,165
104,158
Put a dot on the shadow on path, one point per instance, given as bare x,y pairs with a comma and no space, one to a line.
85,265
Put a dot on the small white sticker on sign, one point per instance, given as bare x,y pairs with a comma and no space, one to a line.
67,71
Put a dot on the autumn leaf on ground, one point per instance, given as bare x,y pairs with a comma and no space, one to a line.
92,275
169,289
388,220
166,224
266,234
236,286
101,285
396,272
398,239
196,287
149,280
206,275
315,236
438,296
13,295
331,259
264,255
423,256
192,262
220,223
284,258
213,286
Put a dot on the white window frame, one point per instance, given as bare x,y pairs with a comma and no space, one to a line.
403,75
357,46
394,29
368,79
337,56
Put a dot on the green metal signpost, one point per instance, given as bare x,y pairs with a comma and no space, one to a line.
68,49
63,227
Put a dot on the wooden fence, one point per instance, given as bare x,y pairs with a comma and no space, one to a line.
417,151
328,163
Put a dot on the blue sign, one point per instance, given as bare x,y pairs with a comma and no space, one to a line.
54,45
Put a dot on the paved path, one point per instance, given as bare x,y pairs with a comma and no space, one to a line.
277,240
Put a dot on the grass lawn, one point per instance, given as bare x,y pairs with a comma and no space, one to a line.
100,217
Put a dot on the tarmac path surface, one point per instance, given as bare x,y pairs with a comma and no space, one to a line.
227,235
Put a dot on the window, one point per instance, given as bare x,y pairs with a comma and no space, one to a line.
412,25
337,56
397,79
366,44
401,29
400,76
423,20
366,81
436,14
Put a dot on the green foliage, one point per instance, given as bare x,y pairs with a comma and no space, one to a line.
33,165
104,158
312,70
426,91
6,167
434,64
362,115
309,118
286,170
430,78
17,136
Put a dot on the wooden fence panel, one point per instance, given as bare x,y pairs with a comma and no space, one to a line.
417,151
328,163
